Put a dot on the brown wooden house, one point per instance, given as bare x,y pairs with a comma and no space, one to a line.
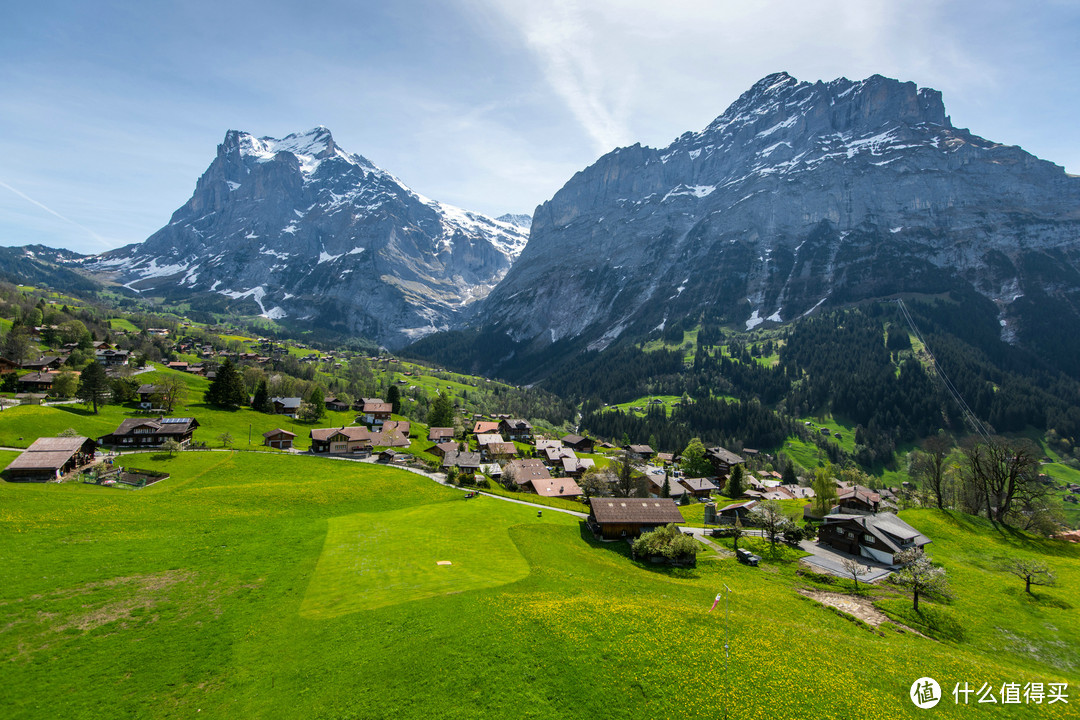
49,458
150,432
341,440
278,438
722,460
613,518
578,443
516,429
879,537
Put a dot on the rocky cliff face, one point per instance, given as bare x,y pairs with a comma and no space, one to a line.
801,195
297,228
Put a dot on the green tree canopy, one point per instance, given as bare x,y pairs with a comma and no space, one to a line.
442,412
227,390
694,462
94,386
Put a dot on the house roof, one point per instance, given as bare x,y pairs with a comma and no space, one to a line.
573,439
518,424
488,438
440,432
289,403
860,493
161,426
557,487
655,511
724,455
57,444
527,470
502,448
376,406
485,426
40,460
749,505
640,449
351,432
572,465
545,444
38,377
147,389
278,431
462,460
389,437
887,527
698,484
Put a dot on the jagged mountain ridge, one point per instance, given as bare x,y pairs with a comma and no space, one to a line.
306,231
800,195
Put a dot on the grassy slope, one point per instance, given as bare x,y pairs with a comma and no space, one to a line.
30,422
189,595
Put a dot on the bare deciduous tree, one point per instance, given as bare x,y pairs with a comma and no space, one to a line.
1032,572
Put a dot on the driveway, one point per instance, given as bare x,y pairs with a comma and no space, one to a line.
829,560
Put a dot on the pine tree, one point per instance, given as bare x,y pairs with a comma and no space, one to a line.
441,413
317,400
735,482
93,385
261,402
393,396
227,390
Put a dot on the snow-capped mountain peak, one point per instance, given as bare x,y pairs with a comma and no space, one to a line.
297,227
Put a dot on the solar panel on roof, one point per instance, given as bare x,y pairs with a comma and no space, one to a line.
168,421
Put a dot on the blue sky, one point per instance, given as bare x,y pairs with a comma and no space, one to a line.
110,111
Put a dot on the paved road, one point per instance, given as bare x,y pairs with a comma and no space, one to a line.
826,559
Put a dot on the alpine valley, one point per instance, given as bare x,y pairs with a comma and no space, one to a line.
299,229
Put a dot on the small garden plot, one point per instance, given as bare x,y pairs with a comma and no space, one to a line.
125,477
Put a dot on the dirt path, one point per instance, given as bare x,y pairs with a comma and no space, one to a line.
857,606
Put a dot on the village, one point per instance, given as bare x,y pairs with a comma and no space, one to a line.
625,491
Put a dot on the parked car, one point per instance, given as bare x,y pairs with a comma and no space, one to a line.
747,558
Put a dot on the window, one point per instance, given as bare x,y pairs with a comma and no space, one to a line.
851,534
868,539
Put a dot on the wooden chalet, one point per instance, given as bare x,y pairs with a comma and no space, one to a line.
483,427
858,499
576,467
656,486
112,358
38,381
440,434
578,443
339,441
525,471
43,363
699,487
332,403
500,451
374,411
146,393
287,406
7,366
563,487
722,460
729,513
389,437
440,450
49,458
613,518
878,537
467,463
151,432
278,438
516,429
644,452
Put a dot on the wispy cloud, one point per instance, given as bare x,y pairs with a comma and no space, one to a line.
97,238
561,37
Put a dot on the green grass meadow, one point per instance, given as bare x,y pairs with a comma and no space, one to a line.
276,586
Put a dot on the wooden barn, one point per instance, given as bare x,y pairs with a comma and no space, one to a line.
613,518
49,458
278,438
